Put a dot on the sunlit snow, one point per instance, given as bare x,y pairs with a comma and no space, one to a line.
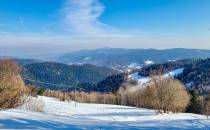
60,115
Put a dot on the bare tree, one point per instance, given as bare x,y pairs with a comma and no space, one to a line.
207,109
11,85
207,106
166,95
131,96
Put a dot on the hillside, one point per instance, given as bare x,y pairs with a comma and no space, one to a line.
51,74
98,116
122,58
196,73
197,76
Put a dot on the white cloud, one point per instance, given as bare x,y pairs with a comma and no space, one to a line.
83,17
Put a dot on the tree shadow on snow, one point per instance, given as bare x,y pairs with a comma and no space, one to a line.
20,123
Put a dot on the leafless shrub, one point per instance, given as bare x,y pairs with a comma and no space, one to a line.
12,87
166,94
94,97
131,96
31,90
207,107
34,104
63,96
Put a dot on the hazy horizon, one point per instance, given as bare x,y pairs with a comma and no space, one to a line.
54,55
59,26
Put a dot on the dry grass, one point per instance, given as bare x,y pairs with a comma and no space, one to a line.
34,104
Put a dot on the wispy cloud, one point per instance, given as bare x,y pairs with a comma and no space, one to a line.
3,25
3,32
83,17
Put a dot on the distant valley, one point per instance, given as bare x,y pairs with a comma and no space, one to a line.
107,69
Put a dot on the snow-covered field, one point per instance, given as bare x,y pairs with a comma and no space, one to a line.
64,115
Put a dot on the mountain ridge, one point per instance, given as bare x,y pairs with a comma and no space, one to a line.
121,58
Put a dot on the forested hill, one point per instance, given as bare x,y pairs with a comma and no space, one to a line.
196,75
39,74
169,66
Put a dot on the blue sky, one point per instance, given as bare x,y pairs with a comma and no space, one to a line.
48,26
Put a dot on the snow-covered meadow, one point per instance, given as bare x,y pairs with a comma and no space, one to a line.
64,115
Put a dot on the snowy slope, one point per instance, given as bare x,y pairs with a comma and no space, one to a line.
149,62
174,72
63,115
143,80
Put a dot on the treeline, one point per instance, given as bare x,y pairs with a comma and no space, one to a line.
109,84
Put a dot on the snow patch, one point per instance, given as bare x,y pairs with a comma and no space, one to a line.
134,66
144,80
174,73
87,58
149,62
